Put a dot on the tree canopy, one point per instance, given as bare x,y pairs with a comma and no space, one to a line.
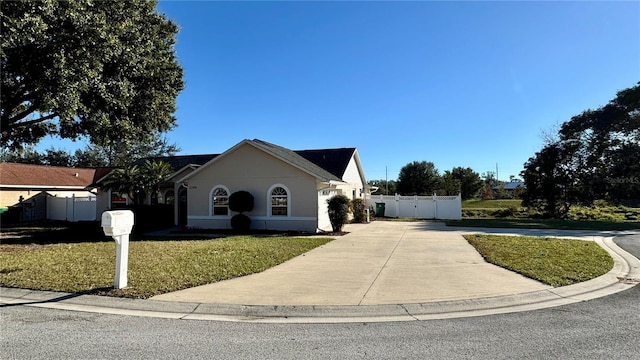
596,156
459,180
91,155
385,187
101,69
418,178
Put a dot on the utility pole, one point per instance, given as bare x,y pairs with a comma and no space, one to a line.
386,181
497,174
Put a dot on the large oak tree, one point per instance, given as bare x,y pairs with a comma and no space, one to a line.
100,69
596,156
418,178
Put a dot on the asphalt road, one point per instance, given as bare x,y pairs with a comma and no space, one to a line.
605,328
631,243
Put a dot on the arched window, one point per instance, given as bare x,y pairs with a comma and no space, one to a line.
169,197
220,201
279,201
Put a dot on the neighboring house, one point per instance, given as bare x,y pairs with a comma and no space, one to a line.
509,187
290,188
27,186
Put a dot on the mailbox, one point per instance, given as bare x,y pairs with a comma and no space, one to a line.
117,223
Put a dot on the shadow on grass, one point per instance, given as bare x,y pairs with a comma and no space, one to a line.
207,234
52,232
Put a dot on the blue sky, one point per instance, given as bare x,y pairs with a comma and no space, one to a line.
469,84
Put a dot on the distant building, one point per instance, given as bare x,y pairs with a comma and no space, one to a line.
510,187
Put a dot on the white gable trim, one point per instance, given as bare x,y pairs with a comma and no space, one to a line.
208,163
359,165
259,146
190,166
255,145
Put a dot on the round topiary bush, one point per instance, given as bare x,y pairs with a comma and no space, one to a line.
241,201
241,223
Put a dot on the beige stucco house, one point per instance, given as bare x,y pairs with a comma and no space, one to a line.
290,188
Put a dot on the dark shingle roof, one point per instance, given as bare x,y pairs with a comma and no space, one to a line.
327,164
334,161
298,160
180,161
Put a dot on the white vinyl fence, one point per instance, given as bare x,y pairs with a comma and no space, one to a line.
418,207
72,209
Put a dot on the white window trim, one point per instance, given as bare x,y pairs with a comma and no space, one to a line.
269,201
211,201
164,196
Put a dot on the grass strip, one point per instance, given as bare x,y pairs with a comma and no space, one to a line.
546,224
491,204
556,262
155,267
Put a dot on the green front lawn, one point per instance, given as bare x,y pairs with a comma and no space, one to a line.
155,267
546,224
556,262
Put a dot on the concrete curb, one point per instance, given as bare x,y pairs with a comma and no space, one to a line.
624,275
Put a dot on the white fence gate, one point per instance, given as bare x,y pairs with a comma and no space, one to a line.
72,209
323,210
419,207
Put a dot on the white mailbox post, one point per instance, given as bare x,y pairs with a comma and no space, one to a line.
118,225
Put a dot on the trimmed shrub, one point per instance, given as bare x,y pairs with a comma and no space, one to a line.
338,211
358,209
241,223
151,217
241,201
11,216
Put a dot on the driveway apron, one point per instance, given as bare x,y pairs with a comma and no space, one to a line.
384,262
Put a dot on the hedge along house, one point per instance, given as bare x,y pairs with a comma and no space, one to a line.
290,188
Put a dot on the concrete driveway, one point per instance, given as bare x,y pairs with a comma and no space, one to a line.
384,262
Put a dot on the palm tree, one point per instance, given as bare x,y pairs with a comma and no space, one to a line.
152,174
124,181
136,181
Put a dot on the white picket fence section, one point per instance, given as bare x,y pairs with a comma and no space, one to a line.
419,207
72,209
